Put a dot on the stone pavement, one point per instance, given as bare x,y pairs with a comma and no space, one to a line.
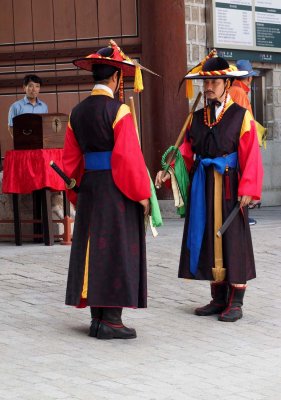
45,352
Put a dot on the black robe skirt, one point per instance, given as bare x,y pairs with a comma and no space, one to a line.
112,223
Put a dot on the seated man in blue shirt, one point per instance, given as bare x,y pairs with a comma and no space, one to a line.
30,103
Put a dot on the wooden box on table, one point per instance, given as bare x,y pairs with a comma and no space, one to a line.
39,131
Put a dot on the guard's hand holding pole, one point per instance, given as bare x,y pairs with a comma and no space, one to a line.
161,177
182,133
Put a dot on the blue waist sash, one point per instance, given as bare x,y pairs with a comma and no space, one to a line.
98,160
197,216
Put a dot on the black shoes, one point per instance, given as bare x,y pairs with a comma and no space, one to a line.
219,293
107,324
252,221
94,327
233,312
110,331
231,315
229,306
96,314
210,309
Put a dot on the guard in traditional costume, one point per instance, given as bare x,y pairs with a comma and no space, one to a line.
107,269
222,155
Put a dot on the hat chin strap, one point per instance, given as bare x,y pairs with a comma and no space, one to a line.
226,87
120,86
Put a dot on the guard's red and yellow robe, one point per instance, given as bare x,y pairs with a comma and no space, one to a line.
108,261
235,132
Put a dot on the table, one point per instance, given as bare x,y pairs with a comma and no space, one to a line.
29,171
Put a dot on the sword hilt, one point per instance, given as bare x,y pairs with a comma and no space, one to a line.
70,182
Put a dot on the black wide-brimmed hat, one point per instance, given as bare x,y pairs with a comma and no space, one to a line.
105,61
212,67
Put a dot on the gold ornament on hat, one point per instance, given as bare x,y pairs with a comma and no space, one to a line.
189,85
138,83
198,69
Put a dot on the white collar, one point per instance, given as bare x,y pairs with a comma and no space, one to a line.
219,108
99,86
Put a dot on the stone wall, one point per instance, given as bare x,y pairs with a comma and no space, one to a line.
195,18
195,31
272,153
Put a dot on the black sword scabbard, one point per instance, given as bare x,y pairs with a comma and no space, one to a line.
229,219
70,182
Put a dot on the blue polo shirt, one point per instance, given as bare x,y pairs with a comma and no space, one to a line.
23,106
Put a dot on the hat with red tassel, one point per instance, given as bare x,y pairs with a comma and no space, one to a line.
109,59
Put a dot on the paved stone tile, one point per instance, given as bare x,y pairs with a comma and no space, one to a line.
46,353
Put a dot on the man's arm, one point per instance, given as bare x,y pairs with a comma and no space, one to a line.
10,130
11,114
45,108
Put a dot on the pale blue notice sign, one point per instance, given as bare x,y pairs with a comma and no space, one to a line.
247,24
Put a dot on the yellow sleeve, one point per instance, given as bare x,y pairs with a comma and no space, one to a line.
246,124
123,110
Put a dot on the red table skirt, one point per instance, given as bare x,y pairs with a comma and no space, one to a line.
28,170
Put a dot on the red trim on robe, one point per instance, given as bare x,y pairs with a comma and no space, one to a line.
128,166
187,153
83,303
250,163
73,162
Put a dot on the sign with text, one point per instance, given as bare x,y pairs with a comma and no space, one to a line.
245,24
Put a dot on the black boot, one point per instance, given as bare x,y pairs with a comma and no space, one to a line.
96,314
111,326
219,292
233,312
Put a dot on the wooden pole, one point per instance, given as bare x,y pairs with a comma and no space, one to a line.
133,112
182,133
